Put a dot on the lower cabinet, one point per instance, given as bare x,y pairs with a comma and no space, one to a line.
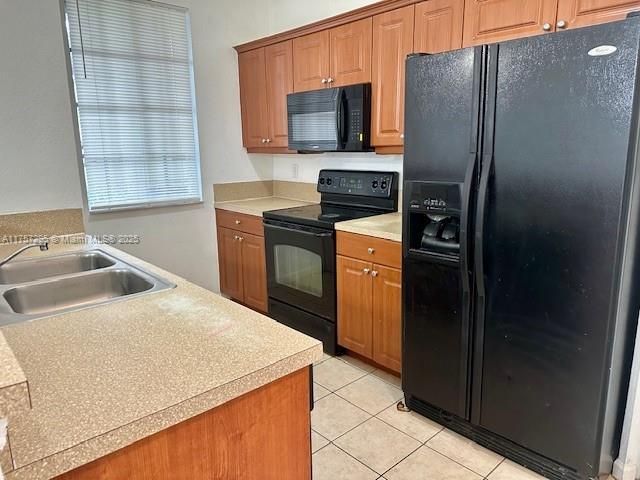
241,257
370,298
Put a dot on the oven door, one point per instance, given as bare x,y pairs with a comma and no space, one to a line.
301,267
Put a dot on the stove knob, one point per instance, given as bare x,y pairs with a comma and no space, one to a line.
383,185
374,184
321,180
329,181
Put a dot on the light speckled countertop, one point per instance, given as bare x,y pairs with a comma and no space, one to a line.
104,377
387,226
257,206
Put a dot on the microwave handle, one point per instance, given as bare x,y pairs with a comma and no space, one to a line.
340,117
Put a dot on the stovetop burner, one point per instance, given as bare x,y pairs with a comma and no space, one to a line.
320,215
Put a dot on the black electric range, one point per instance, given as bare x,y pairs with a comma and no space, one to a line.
301,251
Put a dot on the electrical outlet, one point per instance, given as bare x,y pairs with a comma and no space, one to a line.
295,170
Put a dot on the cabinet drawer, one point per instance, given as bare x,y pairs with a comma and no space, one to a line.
372,249
240,222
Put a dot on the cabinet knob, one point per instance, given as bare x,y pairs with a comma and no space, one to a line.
238,222
366,271
561,24
264,140
546,27
329,80
268,140
240,239
374,274
371,251
402,135
236,237
324,80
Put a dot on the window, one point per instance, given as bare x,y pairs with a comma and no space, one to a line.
133,77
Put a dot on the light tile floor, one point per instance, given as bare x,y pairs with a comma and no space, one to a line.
358,434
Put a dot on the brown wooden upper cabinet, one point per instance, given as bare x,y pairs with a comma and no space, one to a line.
311,61
253,98
266,77
332,58
581,13
438,26
392,42
488,21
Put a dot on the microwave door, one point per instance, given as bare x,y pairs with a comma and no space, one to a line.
312,118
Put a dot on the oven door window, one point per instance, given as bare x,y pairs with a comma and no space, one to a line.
298,269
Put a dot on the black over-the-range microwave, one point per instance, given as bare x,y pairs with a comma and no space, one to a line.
330,120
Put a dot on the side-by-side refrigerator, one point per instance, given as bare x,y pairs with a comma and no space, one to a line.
521,204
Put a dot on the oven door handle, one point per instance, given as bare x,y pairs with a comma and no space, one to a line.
299,229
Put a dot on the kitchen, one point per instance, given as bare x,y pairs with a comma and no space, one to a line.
438,247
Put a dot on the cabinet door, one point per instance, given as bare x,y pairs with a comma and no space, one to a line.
253,98
387,317
311,61
438,26
279,67
351,53
254,272
230,262
582,13
392,42
354,305
488,21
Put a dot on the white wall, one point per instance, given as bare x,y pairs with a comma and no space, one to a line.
38,164
307,167
286,14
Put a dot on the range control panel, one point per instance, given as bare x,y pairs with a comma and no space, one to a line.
348,182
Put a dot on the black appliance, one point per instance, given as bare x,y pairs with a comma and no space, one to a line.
331,119
301,249
521,204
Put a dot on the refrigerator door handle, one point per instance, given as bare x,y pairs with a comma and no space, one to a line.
464,222
483,193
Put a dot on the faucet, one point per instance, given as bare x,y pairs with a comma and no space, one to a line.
42,244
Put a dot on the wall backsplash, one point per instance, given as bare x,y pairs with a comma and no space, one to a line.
305,168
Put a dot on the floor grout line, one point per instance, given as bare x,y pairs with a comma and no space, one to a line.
359,461
495,468
464,466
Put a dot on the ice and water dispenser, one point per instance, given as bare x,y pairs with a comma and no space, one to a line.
434,288
434,210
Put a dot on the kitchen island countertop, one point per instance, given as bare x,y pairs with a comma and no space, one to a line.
104,377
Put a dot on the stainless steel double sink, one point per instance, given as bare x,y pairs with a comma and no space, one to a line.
41,287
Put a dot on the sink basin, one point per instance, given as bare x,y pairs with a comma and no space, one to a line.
37,268
74,292
51,285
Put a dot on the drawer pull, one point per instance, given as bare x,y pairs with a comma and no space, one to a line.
238,222
366,271
371,250
374,274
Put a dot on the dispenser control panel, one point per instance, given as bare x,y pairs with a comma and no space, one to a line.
435,197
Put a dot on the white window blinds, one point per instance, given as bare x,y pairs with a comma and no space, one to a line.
133,75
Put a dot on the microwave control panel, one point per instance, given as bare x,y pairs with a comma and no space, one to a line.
346,182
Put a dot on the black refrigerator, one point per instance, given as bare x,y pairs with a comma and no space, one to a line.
520,220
